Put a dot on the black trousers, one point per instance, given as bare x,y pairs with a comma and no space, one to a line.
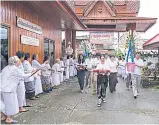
113,81
102,84
128,80
81,77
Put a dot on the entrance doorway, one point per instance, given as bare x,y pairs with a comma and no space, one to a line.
4,45
49,49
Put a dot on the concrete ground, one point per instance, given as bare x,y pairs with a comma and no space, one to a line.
67,105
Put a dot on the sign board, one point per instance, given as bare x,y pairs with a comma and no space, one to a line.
29,41
28,26
101,38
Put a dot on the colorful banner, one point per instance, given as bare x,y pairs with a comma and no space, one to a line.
101,38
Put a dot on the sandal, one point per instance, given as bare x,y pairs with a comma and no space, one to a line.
28,106
33,98
99,105
37,96
25,110
12,122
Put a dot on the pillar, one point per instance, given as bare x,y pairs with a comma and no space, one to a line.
68,37
132,27
74,41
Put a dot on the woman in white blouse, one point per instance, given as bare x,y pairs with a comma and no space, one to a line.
10,78
21,86
46,75
67,64
29,82
81,67
102,79
71,67
56,73
113,75
62,70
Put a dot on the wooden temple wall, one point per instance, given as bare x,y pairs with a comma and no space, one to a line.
10,11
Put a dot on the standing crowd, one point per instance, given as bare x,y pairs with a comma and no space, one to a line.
102,71
22,81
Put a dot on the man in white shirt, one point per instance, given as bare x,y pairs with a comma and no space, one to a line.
107,58
136,75
122,68
89,63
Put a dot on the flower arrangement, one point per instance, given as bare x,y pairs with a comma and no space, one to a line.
132,38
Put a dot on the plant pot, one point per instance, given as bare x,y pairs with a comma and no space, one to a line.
130,66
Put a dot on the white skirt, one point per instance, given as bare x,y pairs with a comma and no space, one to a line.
38,85
2,105
61,77
55,79
11,103
67,73
71,69
21,93
75,71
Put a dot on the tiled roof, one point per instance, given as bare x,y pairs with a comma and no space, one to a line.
153,40
82,3
119,2
133,6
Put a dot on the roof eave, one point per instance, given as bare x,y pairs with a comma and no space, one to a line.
69,10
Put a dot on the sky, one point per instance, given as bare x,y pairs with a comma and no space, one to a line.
148,8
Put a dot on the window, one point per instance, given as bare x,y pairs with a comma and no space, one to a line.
4,46
49,49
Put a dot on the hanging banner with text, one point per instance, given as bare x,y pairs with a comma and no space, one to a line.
105,38
29,41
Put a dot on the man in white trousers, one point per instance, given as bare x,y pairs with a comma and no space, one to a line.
136,75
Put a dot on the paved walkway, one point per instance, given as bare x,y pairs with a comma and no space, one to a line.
68,105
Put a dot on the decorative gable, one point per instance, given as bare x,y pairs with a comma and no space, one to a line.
99,9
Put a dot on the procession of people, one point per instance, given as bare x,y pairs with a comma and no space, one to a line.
23,81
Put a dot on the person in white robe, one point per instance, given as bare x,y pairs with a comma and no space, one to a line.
10,78
62,70
71,67
122,68
38,84
67,69
56,73
74,64
21,86
29,82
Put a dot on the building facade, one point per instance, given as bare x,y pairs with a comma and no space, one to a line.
35,27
